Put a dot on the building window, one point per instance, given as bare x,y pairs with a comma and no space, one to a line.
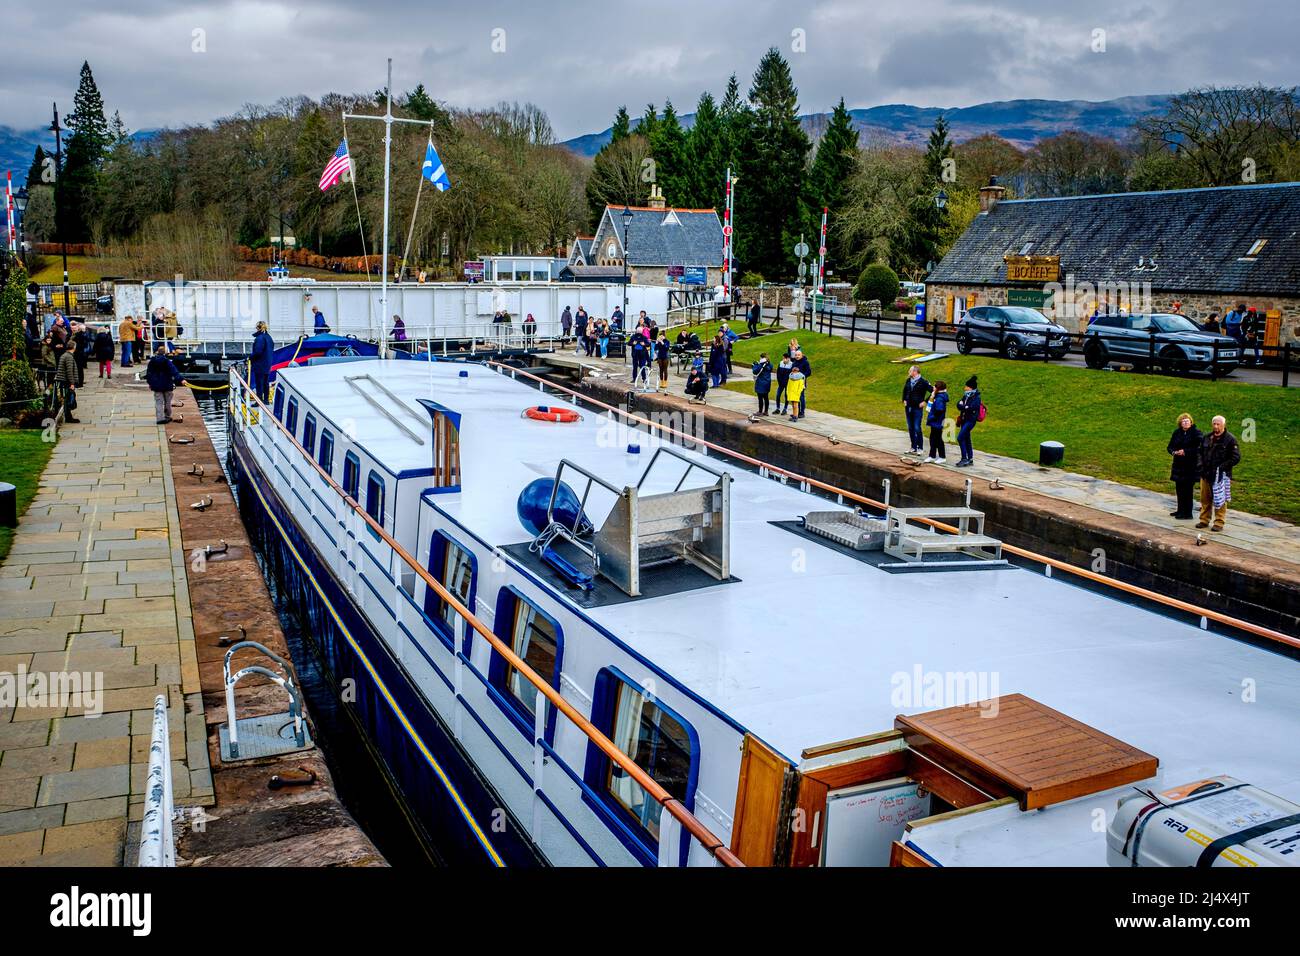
375,501
326,459
291,420
454,567
309,435
278,405
1256,248
535,637
658,740
351,475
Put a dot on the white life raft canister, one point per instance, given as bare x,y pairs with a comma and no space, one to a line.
1220,821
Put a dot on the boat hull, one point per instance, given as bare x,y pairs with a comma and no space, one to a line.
465,821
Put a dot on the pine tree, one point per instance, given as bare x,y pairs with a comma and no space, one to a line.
622,127
35,173
117,131
772,153
672,163
422,106
926,219
831,168
87,120
732,114
649,123
706,148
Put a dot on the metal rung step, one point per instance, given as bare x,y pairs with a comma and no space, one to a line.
567,570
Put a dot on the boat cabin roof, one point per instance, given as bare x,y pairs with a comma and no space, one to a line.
809,644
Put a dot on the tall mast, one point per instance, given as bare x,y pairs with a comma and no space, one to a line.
388,119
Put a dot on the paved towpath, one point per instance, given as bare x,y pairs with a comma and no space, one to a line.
1248,532
95,585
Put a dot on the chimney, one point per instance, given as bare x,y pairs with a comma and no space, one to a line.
656,200
990,195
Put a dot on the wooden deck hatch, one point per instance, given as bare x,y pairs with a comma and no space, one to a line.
1016,746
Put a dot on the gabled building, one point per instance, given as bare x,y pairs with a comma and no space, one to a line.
1206,248
663,243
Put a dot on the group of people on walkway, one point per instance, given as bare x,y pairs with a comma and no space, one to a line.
1207,458
923,402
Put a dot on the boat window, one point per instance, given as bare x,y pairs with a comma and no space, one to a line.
278,405
326,459
375,500
291,419
351,475
454,567
309,434
535,637
658,741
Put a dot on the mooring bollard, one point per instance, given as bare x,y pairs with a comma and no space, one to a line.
8,505
1051,453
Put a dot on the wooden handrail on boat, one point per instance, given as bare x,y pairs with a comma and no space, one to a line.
671,804
1217,616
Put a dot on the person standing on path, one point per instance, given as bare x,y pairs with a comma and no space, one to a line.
938,412
1185,448
915,392
663,353
794,391
968,416
65,382
762,382
319,325
80,344
263,350
566,325
126,335
1220,453
104,353
804,368
163,377
783,370
718,361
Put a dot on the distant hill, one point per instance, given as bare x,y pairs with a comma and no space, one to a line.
18,146
1023,122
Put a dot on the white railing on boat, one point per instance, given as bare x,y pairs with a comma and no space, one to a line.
554,801
842,495
157,846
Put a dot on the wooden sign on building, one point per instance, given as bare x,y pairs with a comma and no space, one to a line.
1033,268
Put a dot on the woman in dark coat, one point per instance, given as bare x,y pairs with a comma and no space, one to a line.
718,361
1185,448
104,352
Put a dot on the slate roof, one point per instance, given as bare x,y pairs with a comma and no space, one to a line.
1199,238
580,254
662,237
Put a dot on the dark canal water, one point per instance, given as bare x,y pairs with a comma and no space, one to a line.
360,780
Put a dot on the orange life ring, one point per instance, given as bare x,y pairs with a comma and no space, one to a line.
544,413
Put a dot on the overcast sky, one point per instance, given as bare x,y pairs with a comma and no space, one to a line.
580,60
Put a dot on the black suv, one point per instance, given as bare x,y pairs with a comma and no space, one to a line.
1169,342
1013,330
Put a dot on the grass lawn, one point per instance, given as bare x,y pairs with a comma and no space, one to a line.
23,456
1114,425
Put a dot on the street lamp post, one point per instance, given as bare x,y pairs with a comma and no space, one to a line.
20,203
627,222
57,130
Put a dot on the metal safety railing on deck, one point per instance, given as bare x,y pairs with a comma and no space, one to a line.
157,846
841,494
547,695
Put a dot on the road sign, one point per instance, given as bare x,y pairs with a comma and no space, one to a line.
726,230
803,269
695,275
801,249
821,251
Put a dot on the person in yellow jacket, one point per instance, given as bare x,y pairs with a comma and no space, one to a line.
793,391
126,334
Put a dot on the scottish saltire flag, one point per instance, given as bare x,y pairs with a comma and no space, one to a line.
433,170
339,163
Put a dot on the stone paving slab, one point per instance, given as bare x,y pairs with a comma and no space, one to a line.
1248,532
88,591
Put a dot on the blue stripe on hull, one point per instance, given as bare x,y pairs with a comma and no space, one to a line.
437,780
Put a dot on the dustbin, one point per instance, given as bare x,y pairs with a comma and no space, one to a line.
1051,453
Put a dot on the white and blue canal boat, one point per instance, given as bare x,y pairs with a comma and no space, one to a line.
792,692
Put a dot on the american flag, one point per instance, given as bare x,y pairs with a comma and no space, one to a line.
339,163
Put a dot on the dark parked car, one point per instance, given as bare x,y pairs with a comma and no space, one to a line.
1169,342
104,305
1011,329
